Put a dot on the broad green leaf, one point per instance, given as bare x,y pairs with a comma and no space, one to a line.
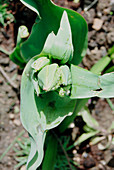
49,77
40,63
107,85
83,83
86,84
40,113
48,20
16,56
60,46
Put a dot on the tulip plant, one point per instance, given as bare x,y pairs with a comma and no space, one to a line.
53,87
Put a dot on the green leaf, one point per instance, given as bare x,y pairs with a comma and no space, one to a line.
84,137
40,113
40,63
88,119
48,20
100,65
60,46
107,85
49,77
16,56
86,84
96,140
111,50
111,69
22,33
65,75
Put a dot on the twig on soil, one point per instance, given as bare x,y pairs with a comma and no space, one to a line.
8,78
11,145
65,153
88,7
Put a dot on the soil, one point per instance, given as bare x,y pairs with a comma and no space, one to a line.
100,39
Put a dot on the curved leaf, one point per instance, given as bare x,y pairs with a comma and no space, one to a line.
40,113
16,56
86,84
48,20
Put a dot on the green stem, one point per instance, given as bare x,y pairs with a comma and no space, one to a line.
50,155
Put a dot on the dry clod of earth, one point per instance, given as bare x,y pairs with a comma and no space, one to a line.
97,24
17,122
11,116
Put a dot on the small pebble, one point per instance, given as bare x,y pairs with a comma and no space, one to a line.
110,37
99,14
106,11
11,116
74,151
89,162
23,167
97,24
17,122
85,154
72,125
76,159
103,50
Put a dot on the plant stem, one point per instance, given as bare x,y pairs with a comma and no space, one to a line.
65,153
88,7
50,155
